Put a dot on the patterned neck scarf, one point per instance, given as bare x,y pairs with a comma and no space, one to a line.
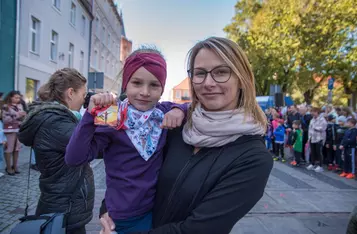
142,128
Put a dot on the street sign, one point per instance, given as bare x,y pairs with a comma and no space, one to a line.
95,80
330,83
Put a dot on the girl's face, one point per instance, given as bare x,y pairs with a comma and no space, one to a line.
143,90
15,99
315,114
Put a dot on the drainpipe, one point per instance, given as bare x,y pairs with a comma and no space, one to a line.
17,45
90,39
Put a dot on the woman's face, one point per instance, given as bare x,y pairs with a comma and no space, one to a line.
75,99
212,95
15,99
315,114
143,90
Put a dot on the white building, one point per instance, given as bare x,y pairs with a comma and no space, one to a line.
107,29
52,34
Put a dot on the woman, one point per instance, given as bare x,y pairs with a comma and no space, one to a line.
346,111
317,137
12,115
47,129
216,166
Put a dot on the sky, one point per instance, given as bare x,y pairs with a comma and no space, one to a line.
174,26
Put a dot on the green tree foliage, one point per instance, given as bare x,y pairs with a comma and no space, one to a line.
297,40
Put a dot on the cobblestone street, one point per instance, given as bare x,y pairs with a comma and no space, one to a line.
295,201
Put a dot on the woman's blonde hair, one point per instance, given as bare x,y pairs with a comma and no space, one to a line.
236,59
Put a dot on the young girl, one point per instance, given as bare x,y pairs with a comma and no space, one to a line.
12,116
133,155
2,145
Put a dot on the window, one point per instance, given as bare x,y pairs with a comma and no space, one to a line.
81,63
107,67
112,70
178,93
57,4
73,14
70,55
83,30
103,35
35,34
54,46
102,63
97,26
185,93
95,59
113,45
108,40
31,89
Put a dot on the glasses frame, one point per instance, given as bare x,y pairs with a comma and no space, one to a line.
190,74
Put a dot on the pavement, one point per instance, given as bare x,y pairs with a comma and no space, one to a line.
295,201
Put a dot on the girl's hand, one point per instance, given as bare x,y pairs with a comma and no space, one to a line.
100,100
173,119
108,226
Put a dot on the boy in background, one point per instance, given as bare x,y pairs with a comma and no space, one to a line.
331,136
279,134
348,145
297,137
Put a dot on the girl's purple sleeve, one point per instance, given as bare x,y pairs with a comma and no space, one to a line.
167,106
86,142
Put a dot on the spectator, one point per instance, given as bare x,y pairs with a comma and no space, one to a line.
341,129
297,141
348,145
331,136
279,134
12,115
317,136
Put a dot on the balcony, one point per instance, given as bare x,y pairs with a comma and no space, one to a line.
185,99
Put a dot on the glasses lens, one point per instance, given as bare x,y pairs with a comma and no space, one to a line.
221,74
198,75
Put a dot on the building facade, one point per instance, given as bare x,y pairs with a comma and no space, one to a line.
107,33
181,92
53,34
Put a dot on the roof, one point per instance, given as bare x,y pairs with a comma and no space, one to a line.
185,84
115,9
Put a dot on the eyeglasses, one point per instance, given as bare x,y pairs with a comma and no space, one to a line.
219,74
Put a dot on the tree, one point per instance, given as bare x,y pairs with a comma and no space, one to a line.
297,40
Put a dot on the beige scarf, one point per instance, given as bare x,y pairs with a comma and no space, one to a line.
214,129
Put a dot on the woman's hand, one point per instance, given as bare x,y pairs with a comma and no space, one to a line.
173,119
108,226
101,100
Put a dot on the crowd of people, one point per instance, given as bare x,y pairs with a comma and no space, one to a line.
317,137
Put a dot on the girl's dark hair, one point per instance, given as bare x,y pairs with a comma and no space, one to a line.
59,82
347,110
353,121
316,109
8,97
